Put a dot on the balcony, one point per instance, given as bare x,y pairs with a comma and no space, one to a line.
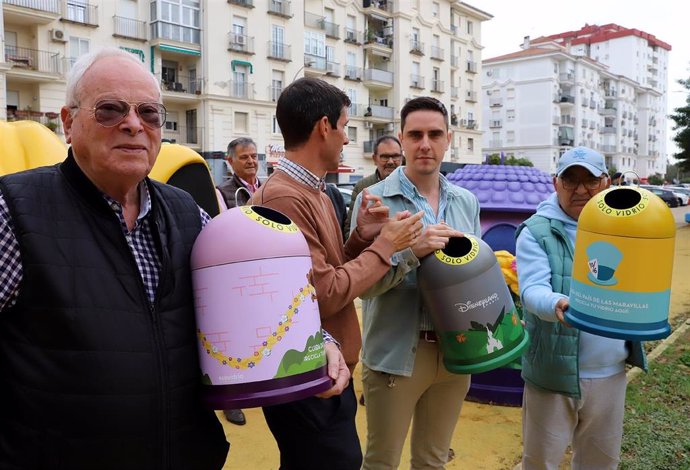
279,51
377,43
417,81
314,63
471,96
609,111
175,32
333,68
556,121
437,86
319,22
385,113
454,61
80,13
353,36
280,8
32,11
380,9
416,47
129,28
274,92
471,124
454,92
608,148
608,130
242,3
183,135
240,43
189,85
610,93
471,66
377,78
495,123
566,99
32,60
495,102
353,73
566,77
437,53
568,120
239,89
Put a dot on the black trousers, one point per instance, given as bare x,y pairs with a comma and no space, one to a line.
316,433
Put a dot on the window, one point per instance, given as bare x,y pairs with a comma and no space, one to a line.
278,48
76,11
275,128
277,80
511,136
352,134
469,27
241,122
470,144
171,121
435,9
77,48
510,114
169,74
239,25
240,84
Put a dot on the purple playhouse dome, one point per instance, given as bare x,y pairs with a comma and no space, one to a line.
505,188
507,196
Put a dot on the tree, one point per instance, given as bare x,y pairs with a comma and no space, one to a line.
681,117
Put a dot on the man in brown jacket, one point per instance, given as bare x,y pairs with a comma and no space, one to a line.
314,433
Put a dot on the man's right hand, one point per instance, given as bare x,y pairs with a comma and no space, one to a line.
404,230
561,306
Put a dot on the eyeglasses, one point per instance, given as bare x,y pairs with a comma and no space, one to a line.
570,183
390,156
110,113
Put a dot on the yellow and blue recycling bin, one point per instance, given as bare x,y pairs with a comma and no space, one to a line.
622,267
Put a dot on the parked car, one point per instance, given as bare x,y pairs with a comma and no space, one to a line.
682,193
346,191
667,196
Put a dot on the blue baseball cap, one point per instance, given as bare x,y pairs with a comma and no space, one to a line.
585,157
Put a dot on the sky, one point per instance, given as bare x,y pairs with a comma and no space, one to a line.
666,19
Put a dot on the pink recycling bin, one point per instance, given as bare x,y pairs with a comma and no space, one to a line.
258,323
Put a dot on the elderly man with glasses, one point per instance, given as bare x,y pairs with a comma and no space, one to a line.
574,381
387,157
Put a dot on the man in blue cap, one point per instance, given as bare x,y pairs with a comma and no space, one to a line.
574,381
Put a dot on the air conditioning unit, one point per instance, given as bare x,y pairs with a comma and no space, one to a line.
368,125
240,39
58,35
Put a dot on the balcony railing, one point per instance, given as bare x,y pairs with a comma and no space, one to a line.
279,51
175,32
567,99
437,86
416,81
50,6
332,68
332,29
471,66
378,38
280,8
353,73
608,130
182,84
49,119
454,92
495,102
383,112
315,62
317,21
240,43
80,12
416,47
566,77
436,53
471,96
274,92
242,3
32,59
353,36
178,134
239,89
454,61
129,28
376,75
495,123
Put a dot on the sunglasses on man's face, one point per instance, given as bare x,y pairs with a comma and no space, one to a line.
110,113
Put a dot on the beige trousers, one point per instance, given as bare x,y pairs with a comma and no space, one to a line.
593,425
431,398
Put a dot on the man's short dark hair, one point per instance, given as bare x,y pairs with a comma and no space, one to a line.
302,103
422,103
617,174
383,139
240,141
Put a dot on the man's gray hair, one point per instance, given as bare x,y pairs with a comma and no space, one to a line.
86,61
243,141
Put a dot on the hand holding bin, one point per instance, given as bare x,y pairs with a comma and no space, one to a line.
621,281
258,323
473,313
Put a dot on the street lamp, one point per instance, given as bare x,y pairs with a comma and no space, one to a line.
307,63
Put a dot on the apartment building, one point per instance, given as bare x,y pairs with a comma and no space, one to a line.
604,87
223,63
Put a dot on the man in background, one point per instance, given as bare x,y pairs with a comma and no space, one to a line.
238,189
387,157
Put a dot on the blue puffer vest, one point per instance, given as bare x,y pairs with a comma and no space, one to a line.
551,360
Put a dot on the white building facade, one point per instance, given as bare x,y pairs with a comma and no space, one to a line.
601,87
223,64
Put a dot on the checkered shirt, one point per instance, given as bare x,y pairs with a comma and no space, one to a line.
140,241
